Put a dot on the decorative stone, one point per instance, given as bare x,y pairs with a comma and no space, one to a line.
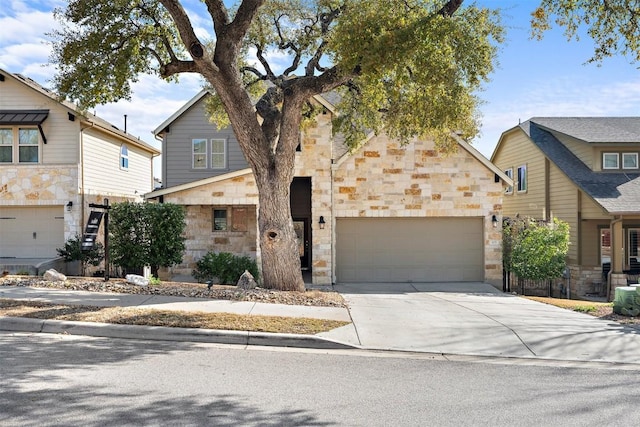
53,276
247,281
136,279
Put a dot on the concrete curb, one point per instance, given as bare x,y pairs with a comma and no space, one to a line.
162,333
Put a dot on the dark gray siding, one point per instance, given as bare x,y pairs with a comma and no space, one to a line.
176,148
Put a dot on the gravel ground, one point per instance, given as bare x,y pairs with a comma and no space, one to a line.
181,289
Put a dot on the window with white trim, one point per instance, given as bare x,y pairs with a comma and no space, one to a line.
124,157
629,160
218,153
6,145
28,141
509,173
522,178
610,161
199,153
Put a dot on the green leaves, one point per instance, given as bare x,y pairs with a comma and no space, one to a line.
146,234
418,70
613,24
536,251
102,47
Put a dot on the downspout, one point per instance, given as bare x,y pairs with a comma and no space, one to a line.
82,189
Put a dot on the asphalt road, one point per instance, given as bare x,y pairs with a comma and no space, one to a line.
48,380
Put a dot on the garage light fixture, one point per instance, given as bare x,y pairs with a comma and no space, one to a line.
69,206
494,221
321,223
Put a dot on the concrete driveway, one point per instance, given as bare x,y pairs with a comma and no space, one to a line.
478,319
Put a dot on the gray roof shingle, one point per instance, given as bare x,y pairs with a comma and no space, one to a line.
615,192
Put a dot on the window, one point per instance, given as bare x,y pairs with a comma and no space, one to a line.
633,252
230,218
220,220
6,145
610,161
629,160
605,245
124,157
199,153
28,145
522,178
218,153
509,173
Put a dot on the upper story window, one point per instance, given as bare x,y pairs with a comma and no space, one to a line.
617,161
629,160
522,178
25,142
199,153
509,173
610,161
28,145
124,157
6,145
218,153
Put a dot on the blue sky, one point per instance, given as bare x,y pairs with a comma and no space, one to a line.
533,78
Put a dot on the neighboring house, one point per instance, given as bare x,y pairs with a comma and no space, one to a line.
385,213
54,161
585,171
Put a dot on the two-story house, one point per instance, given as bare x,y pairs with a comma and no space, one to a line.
384,213
585,171
55,160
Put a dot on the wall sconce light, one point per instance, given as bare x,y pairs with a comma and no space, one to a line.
69,206
494,221
321,223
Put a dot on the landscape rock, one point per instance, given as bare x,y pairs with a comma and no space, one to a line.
54,276
136,279
247,281
182,289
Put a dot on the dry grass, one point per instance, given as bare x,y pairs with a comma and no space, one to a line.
179,319
601,310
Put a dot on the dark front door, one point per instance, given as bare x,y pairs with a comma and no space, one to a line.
301,214
301,225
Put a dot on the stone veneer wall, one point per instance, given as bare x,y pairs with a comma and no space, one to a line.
386,179
199,202
42,185
314,160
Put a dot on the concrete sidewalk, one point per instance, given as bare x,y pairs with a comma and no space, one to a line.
470,319
108,299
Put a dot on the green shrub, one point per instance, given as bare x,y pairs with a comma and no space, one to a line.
225,266
72,251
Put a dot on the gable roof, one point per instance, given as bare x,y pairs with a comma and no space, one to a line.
617,193
88,118
613,130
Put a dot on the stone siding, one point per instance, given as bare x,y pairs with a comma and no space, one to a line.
386,179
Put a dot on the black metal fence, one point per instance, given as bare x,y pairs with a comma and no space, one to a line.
556,288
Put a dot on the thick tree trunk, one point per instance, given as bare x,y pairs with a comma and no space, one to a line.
278,242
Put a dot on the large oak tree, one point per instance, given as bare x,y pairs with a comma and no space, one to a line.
408,67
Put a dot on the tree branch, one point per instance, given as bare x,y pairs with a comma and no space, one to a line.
218,12
450,8
188,36
177,67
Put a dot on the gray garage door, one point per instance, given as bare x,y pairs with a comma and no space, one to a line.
409,250
31,232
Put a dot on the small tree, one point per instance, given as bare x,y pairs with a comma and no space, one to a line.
538,251
146,234
72,251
